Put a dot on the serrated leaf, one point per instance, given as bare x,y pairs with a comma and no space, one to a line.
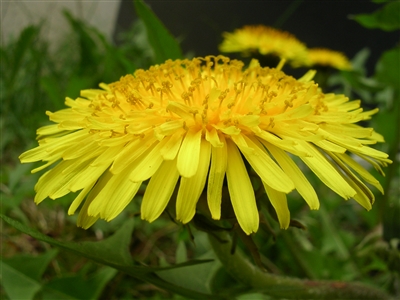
386,18
114,252
78,287
21,275
163,43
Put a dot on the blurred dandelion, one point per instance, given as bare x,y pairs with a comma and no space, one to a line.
191,123
265,40
328,58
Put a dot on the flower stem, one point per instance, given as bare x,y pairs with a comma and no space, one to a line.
285,287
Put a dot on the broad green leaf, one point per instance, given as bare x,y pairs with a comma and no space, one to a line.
181,253
197,277
21,275
164,44
77,286
386,18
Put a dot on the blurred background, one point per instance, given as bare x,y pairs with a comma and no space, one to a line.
54,49
198,24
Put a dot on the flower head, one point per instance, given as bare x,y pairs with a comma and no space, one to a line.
192,123
328,58
265,40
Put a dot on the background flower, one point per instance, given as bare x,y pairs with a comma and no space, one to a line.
265,40
328,58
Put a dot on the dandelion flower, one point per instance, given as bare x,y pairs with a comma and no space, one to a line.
328,58
192,123
265,40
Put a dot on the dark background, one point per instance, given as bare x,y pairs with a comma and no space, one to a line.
199,24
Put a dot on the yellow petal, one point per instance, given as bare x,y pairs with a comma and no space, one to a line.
88,176
364,195
84,219
78,200
159,191
241,191
323,168
189,153
55,182
191,188
48,145
213,137
148,164
265,167
171,147
279,202
114,196
300,181
287,145
216,179
131,152
360,170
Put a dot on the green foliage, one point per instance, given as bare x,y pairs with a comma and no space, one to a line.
386,18
21,275
164,44
117,261
80,286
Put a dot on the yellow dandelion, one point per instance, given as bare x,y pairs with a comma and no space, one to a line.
265,40
192,123
328,58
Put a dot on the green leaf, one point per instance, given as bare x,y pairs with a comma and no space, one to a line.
51,86
388,68
386,18
77,286
21,275
23,45
164,44
196,277
89,52
114,252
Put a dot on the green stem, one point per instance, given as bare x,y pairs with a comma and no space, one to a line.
285,287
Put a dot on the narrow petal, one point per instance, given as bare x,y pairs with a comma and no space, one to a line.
364,195
216,179
114,196
131,152
78,200
191,188
279,202
171,147
148,165
265,167
300,181
159,191
241,191
55,182
188,157
84,219
323,168
349,161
